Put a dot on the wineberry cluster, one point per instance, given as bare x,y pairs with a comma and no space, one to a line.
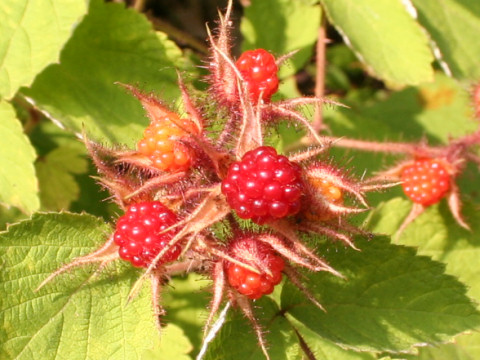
213,169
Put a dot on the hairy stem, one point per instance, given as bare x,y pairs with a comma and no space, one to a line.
364,145
320,71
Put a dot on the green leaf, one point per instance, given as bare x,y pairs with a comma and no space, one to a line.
10,216
281,26
440,110
324,349
187,303
385,37
453,26
465,348
112,44
56,171
391,300
32,33
436,111
237,340
387,217
174,345
73,186
80,314
18,183
436,234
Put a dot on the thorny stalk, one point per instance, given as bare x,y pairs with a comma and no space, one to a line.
320,71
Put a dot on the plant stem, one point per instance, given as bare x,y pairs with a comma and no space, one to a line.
178,35
320,71
139,5
387,147
183,267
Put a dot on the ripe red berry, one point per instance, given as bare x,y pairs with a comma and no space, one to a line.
263,186
249,250
426,181
140,233
160,143
259,70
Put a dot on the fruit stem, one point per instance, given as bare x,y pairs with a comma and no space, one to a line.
320,71
388,147
139,5
470,139
183,267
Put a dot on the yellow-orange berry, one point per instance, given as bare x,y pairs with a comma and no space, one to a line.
162,144
332,194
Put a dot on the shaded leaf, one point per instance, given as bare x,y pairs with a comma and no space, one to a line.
18,182
112,44
382,34
187,303
392,299
465,347
436,234
237,340
9,216
84,195
56,170
281,26
32,33
435,111
324,349
173,345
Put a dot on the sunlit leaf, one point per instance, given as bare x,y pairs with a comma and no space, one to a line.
32,33
18,182
80,314
385,37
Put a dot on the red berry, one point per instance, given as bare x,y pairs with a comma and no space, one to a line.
249,250
140,233
263,186
160,143
259,71
425,181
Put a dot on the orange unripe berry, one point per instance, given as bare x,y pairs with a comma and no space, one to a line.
162,144
332,194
